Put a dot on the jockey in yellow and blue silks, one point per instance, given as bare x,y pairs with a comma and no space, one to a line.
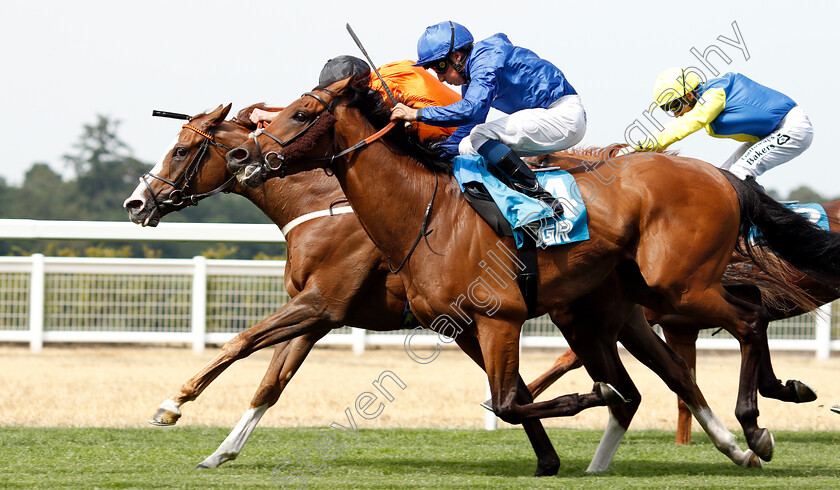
772,127
544,112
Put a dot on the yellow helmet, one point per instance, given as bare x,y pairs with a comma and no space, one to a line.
674,83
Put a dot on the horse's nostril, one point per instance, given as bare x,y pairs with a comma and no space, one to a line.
133,204
237,155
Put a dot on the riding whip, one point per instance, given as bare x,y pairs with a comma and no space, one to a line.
373,67
171,115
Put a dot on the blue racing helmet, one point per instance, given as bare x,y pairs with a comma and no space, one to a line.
440,40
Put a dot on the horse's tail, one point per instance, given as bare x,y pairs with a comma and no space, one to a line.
781,294
788,234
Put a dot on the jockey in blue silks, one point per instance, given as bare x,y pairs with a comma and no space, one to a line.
544,112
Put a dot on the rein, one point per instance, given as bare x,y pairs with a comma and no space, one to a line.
266,167
177,198
265,164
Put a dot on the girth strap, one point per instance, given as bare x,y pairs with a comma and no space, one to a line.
529,277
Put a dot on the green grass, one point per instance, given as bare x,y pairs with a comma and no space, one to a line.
397,458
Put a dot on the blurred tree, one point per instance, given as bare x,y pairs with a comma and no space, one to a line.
106,172
43,195
805,194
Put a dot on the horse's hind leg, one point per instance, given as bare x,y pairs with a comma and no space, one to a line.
288,357
600,359
742,319
648,348
304,313
769,386
681,336
565,363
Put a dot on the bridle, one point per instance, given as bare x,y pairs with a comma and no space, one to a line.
266,167
177,198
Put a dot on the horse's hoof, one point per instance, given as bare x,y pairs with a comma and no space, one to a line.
202,466
804,393
549,469
610,395
164,418
487,405
764,445
751,460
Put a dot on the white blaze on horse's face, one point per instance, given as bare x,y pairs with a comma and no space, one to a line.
140,191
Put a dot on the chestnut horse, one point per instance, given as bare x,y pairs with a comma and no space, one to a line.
681,332
325,293
331,283
670,249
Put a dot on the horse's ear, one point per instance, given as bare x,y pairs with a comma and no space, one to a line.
221,113
215,117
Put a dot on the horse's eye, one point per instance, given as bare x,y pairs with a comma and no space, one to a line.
301,116
181,152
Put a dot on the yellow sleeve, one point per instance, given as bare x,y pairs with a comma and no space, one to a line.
707,109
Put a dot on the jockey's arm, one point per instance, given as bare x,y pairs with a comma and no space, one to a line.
259,115
707,109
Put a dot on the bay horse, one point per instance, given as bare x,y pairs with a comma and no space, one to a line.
327,290
665,256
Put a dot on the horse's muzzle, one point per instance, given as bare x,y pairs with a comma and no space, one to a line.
246,171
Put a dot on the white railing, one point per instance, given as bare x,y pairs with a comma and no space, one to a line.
199,301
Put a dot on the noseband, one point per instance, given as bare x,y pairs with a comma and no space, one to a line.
177,199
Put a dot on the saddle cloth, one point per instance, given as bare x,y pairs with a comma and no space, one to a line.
520,210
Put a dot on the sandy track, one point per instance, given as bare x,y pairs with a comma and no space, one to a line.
121,387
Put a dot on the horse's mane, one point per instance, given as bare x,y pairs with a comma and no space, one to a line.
370,103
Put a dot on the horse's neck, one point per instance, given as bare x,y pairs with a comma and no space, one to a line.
285,199
389,193
288,198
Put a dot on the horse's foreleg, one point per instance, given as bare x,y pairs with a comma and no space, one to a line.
304,313
548,463
565,363
287,358
648,348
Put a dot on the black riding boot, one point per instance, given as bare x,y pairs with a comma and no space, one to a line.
524,179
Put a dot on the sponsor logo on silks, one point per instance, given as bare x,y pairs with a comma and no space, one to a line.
757,154
782,139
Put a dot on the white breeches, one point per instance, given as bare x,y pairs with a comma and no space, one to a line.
533,132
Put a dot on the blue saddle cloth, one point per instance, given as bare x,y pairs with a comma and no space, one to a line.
812,211
520,210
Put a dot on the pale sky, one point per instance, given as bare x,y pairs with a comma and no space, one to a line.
64,62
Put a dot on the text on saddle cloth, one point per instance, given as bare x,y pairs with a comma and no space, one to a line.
520,210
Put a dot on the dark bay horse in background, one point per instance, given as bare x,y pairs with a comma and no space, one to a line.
322,294
669,250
